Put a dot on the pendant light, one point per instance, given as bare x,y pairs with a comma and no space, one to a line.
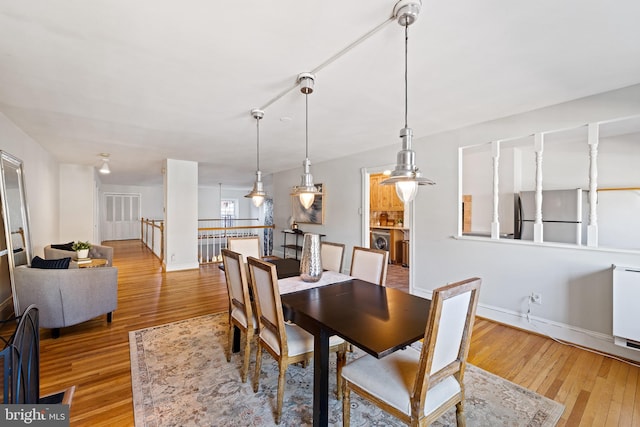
406,175
306,191
258,194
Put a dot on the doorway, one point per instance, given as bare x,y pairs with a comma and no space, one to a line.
404,275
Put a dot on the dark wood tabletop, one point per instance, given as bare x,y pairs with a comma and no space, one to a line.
377,319
285,267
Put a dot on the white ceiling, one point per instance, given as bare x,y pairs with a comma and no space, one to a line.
147,80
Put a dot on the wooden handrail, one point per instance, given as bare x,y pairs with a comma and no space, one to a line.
619,189
239,227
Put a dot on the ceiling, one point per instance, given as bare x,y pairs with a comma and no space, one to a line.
155,79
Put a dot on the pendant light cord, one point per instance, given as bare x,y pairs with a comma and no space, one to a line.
406,67
258,142
306,124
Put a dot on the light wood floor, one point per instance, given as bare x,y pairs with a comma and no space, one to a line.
94,356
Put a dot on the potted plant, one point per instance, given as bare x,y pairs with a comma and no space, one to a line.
82,249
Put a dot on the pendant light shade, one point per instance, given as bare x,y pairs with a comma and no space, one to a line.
406,175
306,191
258,194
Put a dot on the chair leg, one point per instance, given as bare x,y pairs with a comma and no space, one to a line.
281,377
346,404
461,419
341,358
230,339
247,353
256,376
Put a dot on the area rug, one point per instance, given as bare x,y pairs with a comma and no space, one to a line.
180,377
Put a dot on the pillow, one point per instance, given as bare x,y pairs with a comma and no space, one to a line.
62,263
63,246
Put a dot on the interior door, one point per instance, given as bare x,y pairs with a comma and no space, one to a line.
121,216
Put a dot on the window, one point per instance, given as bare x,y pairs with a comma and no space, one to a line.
228,212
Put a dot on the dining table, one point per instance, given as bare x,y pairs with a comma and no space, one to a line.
376,319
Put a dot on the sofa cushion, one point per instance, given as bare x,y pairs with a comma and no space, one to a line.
63,246
62,263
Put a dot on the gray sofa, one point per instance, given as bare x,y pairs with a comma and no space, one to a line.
96,251
68,296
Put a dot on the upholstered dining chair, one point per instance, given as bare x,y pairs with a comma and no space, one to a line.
241,314
331,255
369,265
286,343
418,386
247,246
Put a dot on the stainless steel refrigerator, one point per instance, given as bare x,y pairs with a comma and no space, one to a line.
564,215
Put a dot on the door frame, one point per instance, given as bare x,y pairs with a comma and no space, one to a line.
366,218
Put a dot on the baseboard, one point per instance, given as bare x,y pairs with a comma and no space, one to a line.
581,337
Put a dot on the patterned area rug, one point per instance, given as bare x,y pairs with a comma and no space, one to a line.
180,377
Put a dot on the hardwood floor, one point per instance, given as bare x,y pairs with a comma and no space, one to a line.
94,355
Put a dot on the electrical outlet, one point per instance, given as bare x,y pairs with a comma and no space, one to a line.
536,298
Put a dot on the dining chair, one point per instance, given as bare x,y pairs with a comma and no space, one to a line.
369,265
241,314
21,356
419,385
287,343
247,246
331,255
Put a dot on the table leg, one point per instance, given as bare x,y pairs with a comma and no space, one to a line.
321,378
236,340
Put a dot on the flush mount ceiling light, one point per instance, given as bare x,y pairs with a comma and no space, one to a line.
104,169
406,175
258,194
306,191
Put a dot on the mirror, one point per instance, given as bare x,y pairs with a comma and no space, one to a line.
15,241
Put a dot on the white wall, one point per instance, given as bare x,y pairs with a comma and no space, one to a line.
575,284
151,198
209,203
77,203
181,210
41,177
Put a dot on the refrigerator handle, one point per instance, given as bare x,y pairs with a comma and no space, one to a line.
517,225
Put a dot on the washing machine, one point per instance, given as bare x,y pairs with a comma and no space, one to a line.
381,239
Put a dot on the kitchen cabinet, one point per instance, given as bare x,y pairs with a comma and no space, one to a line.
395,250
383,197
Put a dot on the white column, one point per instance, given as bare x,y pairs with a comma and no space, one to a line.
537,225
495,223
592,228
181,215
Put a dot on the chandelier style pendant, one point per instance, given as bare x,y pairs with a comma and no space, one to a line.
306,191
406,175
257,195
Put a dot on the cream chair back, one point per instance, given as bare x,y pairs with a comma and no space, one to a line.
332,255
369,265
266,295
237,286
247,246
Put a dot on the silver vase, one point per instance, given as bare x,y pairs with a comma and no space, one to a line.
310,262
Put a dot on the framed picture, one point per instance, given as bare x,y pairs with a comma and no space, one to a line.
315,213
